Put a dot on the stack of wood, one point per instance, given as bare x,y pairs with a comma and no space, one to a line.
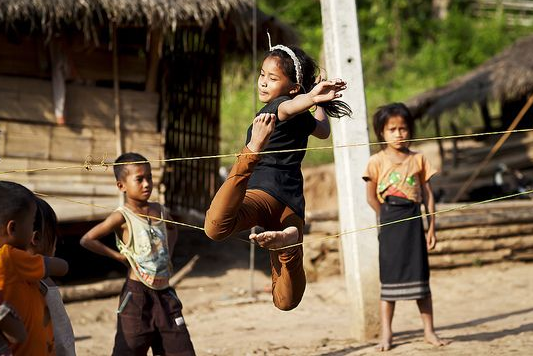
30,139
462,159
470,236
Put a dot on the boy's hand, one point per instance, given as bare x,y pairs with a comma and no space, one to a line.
327,90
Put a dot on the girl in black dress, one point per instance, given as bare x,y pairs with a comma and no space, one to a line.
397,184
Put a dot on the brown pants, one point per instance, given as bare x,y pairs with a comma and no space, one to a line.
149,318
234,209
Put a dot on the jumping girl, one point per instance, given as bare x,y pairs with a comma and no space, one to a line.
397,183
267,190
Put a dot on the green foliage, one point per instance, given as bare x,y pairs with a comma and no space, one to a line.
405,51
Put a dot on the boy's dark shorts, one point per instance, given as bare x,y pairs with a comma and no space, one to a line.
150,318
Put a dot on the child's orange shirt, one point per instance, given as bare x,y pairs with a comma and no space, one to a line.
403,179
20,273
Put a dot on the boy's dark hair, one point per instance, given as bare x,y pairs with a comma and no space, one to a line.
46,224
385,112
310,70
15,199
120,170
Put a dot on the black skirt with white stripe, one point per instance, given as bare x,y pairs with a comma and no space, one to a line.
403,257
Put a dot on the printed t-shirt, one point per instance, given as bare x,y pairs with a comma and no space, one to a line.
279,174
20,273
404,179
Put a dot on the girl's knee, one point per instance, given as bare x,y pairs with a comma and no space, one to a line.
214,232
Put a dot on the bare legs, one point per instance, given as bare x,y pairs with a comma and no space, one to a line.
235,208
425,306
386,309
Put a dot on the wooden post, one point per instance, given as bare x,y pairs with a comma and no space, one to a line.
360,250
116,92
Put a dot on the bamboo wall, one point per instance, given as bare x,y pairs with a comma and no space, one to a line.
30,139
191,122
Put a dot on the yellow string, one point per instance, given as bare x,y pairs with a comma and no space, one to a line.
111,209
405,219
88,165
317,239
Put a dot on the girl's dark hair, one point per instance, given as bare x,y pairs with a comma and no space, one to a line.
310,70
385,112
46,225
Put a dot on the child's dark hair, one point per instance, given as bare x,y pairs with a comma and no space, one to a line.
15,199
120,170
385,112
46,225
333,108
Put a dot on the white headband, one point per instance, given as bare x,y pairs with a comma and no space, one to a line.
297,65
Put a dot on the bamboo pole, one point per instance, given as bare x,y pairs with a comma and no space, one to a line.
116,93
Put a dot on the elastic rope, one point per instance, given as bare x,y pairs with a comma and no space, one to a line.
405,219
88,165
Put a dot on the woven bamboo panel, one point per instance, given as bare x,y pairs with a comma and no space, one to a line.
192,118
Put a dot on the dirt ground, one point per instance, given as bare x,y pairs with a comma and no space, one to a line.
482,310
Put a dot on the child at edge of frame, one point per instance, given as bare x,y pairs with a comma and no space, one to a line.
21,271
149,313
398,182
44,241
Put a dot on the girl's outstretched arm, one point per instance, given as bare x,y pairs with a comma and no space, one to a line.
429,204
322,92
322,129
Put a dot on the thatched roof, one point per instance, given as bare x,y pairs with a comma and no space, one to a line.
507,76
51,16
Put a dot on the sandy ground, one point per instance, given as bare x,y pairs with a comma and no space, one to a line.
484,310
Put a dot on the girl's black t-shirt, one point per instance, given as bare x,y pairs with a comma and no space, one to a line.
279,174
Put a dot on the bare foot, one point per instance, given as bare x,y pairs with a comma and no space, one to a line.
60,120
277,239
433,339
384,345
263,126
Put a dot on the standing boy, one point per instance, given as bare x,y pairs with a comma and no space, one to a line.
149,313
20,271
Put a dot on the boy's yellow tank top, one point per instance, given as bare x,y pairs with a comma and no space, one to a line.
147,249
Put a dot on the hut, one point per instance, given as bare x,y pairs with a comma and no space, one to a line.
473,170
83,80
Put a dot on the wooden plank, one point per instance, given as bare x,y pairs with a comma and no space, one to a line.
476,245
93,106
485,232
70,145
468,259
3,127
27,140
96,64
26,99
30,99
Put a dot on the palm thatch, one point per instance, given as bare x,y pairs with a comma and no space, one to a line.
505,77
52,16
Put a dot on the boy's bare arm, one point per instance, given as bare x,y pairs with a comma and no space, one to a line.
91,240
429,204
13,329
55,266
323,128
322,92
371,197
